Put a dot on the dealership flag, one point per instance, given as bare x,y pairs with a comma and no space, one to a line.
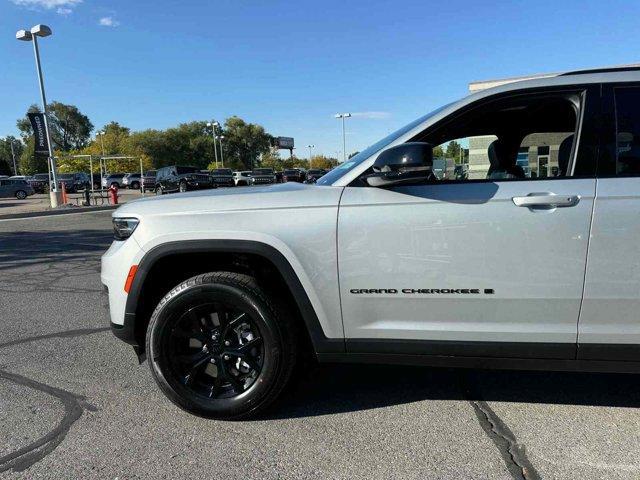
37,122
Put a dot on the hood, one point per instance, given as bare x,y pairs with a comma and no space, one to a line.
271,197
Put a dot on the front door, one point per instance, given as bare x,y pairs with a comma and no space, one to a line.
473,267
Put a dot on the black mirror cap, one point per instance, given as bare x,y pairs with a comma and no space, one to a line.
404,163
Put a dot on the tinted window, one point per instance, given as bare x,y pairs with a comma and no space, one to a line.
183,170
627,131
263,171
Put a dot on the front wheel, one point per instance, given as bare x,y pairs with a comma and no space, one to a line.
183,187
135,185
159,190
21,194
218,347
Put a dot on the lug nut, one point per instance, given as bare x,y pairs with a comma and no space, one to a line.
227,343
213,360
226,357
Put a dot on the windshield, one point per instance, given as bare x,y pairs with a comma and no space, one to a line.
41,176
222,171
356,160
65,176
263,171
291,172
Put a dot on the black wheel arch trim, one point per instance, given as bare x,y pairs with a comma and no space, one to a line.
321,343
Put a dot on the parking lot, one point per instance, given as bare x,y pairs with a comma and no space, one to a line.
75,403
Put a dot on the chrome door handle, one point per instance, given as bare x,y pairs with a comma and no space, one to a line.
548,200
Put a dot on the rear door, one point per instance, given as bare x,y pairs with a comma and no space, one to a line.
609,327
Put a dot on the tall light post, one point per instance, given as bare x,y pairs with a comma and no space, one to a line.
101,135
310,147
344,138
220,138
213,126
13,155
24,35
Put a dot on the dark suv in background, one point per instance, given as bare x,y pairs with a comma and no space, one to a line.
177,178
222,177
40,182
293,175
149,180
314,174
74,182
262,176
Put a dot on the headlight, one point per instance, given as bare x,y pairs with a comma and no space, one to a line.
123,228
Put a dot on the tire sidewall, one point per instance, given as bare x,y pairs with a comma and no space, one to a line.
168,312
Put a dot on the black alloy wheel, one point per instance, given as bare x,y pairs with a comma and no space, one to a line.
218,347
21,194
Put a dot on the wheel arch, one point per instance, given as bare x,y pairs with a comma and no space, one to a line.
223,251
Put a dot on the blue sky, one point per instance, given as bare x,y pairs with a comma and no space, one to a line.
291,65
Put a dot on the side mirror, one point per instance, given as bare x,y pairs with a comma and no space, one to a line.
406,163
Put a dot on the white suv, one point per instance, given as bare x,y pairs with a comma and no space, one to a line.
383,261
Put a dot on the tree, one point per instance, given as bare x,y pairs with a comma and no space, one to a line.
438,152
6,155
31,162
320,161
69,128
243,143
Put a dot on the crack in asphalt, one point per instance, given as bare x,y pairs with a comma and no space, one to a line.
74,406
512,452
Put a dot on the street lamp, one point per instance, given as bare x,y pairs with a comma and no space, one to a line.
13,155
213,126
344,138
220,138
26,36
310,147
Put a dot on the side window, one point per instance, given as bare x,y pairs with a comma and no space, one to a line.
627,102
527,137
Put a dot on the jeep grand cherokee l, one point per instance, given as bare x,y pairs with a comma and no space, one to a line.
383,261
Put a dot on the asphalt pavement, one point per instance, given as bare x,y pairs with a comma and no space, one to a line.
74,403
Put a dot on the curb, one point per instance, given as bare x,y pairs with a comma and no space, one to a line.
53,213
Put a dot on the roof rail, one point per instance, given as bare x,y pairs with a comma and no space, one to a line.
621,68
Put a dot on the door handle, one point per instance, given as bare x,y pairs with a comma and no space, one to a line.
546,200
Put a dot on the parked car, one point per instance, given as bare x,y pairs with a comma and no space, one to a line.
242,178
178,178
314,174
40,182
149,180
293,175
132,181
17,188
96,180
262,176
74,182
279,177
223,177
113,179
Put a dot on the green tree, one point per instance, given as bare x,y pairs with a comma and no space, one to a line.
6,155
438,152
69,128
320,161
243,143
30,162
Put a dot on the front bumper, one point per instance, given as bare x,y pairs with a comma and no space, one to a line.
114,270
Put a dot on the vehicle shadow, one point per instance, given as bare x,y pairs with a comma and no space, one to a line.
24,248
331,389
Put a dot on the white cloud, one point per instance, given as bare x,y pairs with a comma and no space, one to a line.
372,115
63,7
108,22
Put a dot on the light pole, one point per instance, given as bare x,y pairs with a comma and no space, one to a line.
344,138
13,155
213,127
101,135
220,138
24,35
310,147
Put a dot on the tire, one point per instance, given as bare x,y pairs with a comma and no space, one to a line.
114,184
135,185
21,194
159,190
209,387
182,187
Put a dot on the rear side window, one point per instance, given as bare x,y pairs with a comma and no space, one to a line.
627,102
